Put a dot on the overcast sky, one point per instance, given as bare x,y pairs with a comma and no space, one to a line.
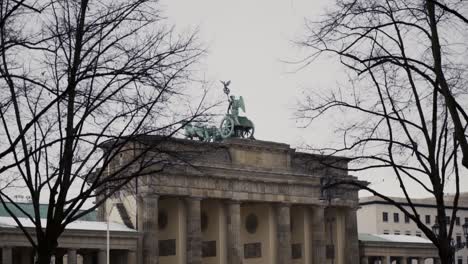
248,42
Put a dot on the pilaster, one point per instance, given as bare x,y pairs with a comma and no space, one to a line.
131,257
194,230
7,255
102,256
149,204
318,235
233,232
71,256
351,236
284,233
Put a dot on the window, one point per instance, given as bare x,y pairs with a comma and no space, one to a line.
396,217
397,232
386,232
458,241
418,233
457,221
408,233
460,261
406,219
385,216
428,219
466,219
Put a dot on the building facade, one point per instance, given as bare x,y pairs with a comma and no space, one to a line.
379,217
388,249
83,242
240,201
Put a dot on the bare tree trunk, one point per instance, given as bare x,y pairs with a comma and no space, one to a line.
44,253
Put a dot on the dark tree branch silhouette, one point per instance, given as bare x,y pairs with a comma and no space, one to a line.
404,107
79,76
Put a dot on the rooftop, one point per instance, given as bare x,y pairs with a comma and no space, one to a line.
392,238
28,207
429,201
9,222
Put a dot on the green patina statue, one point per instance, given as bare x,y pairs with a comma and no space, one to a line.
232,124
202,133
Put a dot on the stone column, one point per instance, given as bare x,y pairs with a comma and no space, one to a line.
421,260
149,226
387,260
233,233
351,236
194,231
102,256
284,233
7,255
365,260
88,258
131,257
404,260
318,235
26,256
71,256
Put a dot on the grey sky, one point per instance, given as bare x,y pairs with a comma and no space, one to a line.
247,41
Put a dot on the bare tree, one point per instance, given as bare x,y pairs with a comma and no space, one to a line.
404,107
78,76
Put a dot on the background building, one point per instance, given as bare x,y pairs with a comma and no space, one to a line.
83,242
379,217
387,249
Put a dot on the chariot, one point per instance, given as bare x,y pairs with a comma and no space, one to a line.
232,125
236,126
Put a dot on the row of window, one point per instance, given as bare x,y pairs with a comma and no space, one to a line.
397,232
427,219
458,239
460,261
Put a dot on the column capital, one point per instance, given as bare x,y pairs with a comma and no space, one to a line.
147,195
232,201
284,204
193,198
318,206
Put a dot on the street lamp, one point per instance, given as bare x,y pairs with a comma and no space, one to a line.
465,230
453,246
435,229
108,233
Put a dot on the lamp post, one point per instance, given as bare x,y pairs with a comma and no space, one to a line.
108,234
453,246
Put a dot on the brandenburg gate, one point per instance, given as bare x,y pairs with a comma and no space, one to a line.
240,201
231,199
